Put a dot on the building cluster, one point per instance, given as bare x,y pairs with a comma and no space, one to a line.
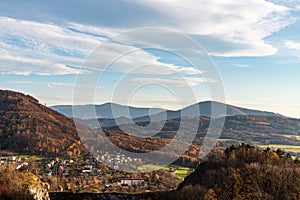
91,175
14,160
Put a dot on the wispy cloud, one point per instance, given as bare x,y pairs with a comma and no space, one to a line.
119,57
237,28
46,49
292,45
242,65
29,47
174,81
244,24
55,85
49,84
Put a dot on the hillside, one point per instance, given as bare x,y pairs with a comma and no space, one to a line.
262,130
241,173
26,126
145,145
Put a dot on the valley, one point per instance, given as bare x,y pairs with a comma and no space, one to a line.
44,142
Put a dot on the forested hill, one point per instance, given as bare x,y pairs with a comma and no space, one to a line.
26,126
242,173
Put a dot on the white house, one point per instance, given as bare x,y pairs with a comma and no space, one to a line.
87,169
131,181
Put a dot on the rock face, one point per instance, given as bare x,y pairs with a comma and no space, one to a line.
17,185
38,191
26,126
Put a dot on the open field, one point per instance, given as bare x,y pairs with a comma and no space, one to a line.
297,137
289,148
150,167
181,172
33,157
230,140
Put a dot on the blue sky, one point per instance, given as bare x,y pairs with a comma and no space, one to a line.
255,46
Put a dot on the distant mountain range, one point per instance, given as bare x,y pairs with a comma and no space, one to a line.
204,109
106,116
104,111
107,111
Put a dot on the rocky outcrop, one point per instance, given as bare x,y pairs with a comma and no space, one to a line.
38,190
17,185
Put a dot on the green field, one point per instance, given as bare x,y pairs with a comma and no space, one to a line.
290,148
33,157
181,172
292,136
149,167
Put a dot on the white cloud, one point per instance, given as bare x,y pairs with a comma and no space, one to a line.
117,57
48,84
55,85
104,32
292,45
242,65
238,28
290,49
174,81
44,37
29,47
243,23
293,4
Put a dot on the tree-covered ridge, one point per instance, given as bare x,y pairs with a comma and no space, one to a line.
26,126
242,172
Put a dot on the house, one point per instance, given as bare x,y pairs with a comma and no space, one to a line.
116,167
87,169
21,165
131,181
12,158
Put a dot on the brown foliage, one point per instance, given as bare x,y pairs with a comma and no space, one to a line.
148,144
13,185
241,173
26,126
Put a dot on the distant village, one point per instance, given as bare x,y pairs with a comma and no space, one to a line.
90,175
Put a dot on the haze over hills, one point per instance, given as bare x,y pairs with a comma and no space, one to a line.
107,113
113,110
206,110
107,110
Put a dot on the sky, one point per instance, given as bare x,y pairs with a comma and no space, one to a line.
47,46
